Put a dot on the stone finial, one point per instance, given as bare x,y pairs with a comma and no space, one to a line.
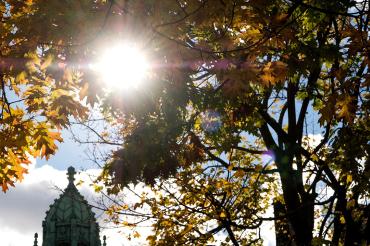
71,174
104,240
35,242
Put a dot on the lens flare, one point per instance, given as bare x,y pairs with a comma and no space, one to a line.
123,67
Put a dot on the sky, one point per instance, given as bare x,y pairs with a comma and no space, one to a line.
69,153
23,208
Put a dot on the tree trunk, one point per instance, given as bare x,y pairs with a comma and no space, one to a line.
351,228
300,213
281,226
353,234
299,207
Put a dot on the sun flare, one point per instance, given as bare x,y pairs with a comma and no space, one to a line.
123,67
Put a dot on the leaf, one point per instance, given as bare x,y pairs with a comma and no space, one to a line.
346,108
21,78
136,234
55,136
222,215
151,238
239,173
274,72
314,157
327,112
97,188
342,219
349,179
230,167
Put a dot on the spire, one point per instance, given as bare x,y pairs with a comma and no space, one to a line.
71,175
35,242
70,212
104,240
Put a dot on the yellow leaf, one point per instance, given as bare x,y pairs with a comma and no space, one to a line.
342,219
314,157
151,238
239,174
55,136
97,188
274,72
136,234
346,108
21,78
349,178
230,167
267,78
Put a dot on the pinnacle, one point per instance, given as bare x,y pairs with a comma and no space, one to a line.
71,174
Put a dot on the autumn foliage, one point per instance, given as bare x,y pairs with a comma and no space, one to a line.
224,127
42,56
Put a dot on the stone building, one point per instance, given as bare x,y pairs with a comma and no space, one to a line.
70,220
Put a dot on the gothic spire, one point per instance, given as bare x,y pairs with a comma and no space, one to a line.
71,175
35,242
70,213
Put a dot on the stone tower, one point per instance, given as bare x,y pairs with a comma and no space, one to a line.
70,221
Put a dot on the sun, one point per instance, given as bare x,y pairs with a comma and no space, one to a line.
123,66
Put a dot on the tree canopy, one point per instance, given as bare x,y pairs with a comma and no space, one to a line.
232,82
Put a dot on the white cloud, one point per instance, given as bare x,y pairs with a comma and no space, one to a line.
268,229
22,209
312,140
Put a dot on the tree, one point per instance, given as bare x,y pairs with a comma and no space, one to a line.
239,73
231,81
205,203
39,88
